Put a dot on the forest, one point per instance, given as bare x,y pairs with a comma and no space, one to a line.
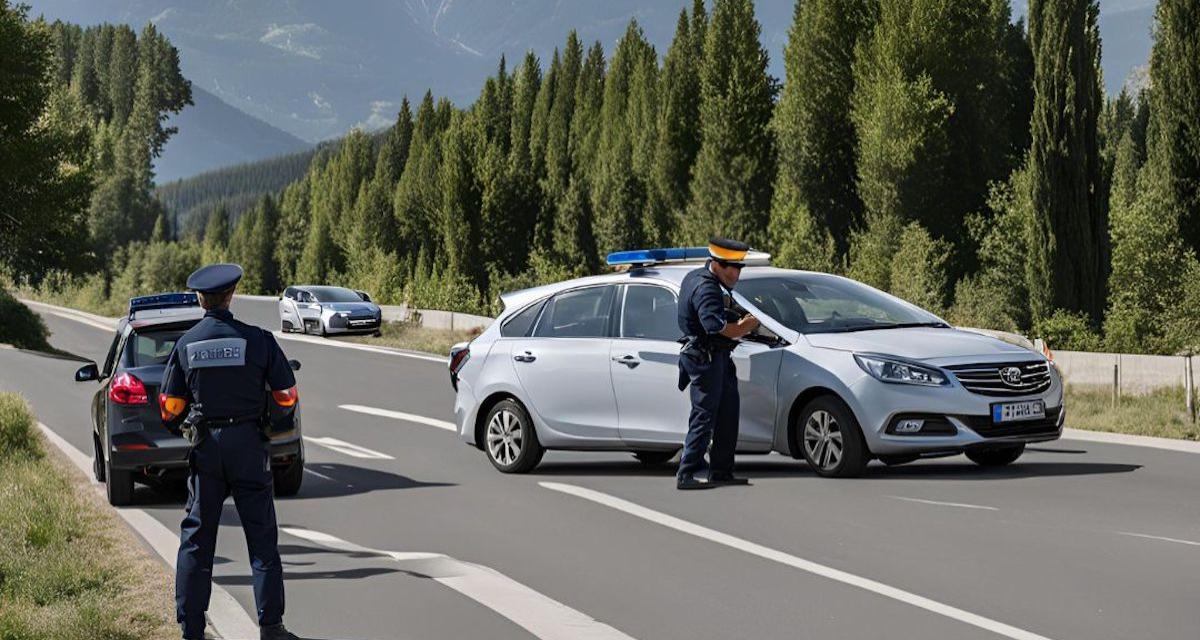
937,150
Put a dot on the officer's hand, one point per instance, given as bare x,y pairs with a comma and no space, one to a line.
748,323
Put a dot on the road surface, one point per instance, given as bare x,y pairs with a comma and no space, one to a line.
403,531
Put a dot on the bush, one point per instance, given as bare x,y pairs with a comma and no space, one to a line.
1068,331
20,326
18,434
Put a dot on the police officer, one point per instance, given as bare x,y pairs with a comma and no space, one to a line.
218,373
711,330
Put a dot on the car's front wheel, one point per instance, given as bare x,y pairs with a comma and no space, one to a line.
830,439
996,457
509,438
118,485
288,478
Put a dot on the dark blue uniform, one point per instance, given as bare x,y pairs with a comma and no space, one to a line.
223,367
706,364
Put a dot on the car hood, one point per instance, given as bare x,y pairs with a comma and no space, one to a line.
920,343
350,306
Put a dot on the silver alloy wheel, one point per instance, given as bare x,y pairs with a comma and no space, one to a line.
823,440
504,437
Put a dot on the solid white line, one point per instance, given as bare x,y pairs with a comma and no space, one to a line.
227,616
90,319
538,614
1150,537
1169,444
319,475
961,505
325,342
341,446
787,559
400,415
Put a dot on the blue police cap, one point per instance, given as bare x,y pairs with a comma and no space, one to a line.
214,278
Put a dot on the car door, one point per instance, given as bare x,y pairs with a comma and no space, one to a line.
644,359
287,310
563,367
307,307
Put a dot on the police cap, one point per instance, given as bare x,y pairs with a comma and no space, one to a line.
214,278
727,251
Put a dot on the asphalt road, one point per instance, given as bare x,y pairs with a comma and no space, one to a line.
1078,540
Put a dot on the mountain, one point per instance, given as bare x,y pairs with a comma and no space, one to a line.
213,134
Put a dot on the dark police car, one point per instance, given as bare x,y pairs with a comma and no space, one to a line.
129,439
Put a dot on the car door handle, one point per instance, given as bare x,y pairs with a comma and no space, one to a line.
527,357
628,360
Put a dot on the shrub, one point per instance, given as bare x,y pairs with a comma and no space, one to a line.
20,326
17,429
1068,331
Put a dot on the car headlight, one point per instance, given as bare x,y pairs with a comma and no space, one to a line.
899,371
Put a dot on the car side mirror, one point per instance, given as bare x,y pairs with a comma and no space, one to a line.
294,364
87,372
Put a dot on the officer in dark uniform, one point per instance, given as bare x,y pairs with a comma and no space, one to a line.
711,330
218,373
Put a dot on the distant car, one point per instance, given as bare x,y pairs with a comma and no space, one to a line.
129,440
321,310
838,374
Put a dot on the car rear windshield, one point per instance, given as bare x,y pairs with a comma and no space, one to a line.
335,294
151,347
819,303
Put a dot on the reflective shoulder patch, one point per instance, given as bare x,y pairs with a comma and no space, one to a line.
218,352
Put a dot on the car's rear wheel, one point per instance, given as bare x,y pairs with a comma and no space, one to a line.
118,485
996,457
830,439
510,440
894,460
288,478
651,458
97,459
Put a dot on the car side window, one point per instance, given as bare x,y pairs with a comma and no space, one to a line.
303,296
649,313
289,293
519,325
581,313
110,361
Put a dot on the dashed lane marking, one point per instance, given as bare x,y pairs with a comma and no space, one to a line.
939,503
796,562
535,612
341,446
400,415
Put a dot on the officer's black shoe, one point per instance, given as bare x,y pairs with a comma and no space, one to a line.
276,632
728,480
692,484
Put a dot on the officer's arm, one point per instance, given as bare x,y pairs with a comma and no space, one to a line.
174,395
711,310
279,374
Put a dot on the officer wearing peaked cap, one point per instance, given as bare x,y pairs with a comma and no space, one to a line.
217,374
711,330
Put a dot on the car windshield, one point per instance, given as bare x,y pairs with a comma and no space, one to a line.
150,348
334,294
820,303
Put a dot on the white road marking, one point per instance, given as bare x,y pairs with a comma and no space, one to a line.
325,342
341,446
796,562
1161,538
319,475
961,505
227,616
1184,446
90,319
400,415
538,614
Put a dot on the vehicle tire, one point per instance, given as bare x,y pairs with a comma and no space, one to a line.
654,458
829,437
898,459
510,440
97,459
118,486
996,457
288,478
285,326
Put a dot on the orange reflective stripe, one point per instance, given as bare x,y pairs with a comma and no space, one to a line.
721,253
286,398
170,407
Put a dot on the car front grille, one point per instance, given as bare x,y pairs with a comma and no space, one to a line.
984,426
988,379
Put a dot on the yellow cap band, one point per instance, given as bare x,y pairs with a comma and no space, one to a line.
729,255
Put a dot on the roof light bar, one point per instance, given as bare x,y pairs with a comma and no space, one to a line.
643,257
162,301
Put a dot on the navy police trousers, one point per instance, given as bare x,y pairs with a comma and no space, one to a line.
232,460
714,416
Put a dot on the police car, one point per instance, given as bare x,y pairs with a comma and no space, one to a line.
838,373
129,440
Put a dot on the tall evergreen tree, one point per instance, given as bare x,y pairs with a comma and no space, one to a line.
216,235
678,128
731,187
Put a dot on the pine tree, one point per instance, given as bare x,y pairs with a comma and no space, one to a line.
539,140
122,73
678,139
1068,264
731,187
417,198
460,203
216,235
393,153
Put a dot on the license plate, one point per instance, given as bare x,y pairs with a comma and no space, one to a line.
1018,411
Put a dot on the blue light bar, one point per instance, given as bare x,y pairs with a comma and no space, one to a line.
657,256
162,301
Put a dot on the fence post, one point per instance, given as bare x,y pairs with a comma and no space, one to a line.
1116,369
1187,378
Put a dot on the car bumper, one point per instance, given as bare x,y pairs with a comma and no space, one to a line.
965,418
338,325
150,453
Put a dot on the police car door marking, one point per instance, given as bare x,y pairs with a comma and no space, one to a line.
218,352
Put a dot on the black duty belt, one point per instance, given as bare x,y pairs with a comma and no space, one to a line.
217,423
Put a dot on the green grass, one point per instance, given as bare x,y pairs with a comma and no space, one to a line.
1162,413
69,569
20,326
404,335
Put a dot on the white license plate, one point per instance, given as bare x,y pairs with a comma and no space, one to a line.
1018,411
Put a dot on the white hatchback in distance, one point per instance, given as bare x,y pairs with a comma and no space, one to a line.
839,374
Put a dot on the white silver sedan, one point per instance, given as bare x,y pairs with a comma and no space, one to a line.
323,310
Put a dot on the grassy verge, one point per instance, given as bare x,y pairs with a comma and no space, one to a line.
404,335
20,326
69,569
1162,413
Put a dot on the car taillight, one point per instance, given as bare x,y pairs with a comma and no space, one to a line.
459,358
286,398
127,389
